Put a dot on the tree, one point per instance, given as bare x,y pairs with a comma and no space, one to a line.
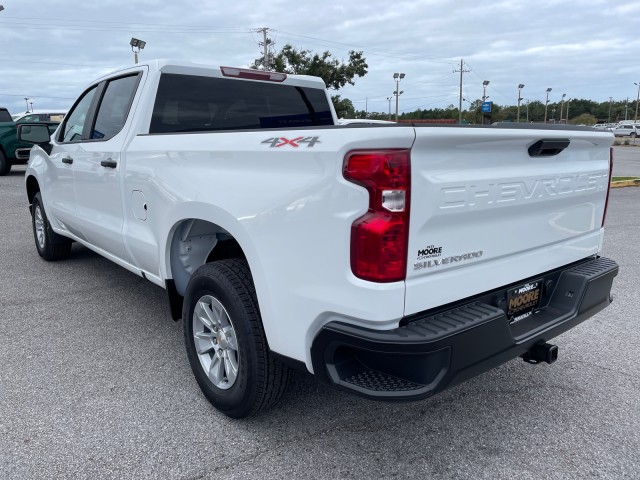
344,107
336,74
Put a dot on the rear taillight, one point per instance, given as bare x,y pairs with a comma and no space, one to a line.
606,202
380,237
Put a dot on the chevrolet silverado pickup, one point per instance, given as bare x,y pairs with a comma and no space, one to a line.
391,261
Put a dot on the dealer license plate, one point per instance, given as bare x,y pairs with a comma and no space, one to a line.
523,300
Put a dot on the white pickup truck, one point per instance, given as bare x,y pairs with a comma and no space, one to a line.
392,261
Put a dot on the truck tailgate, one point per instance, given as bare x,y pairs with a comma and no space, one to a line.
485,212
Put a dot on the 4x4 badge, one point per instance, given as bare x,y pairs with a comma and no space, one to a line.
293,142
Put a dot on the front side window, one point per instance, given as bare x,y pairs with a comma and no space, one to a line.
189,103
74,124
114,107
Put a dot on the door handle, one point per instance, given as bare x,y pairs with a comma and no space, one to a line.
109,163
67,160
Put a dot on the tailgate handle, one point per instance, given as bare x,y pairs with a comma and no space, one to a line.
548,147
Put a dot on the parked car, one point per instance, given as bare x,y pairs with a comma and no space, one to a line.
40,116
10,148
626,130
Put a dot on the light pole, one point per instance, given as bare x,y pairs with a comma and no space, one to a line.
389,100
26,100
562,106
528,111
546,105
568,105
520,87
397,77
31,103
484,90
610,101
136,46
635,120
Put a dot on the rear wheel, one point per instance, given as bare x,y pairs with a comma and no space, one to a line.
49,244
226,343
5,164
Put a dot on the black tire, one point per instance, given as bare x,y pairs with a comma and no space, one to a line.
261,379
50,245
5,164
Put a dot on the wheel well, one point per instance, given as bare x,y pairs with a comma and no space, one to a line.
196,242
32,188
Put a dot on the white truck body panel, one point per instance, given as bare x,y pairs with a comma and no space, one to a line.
291,210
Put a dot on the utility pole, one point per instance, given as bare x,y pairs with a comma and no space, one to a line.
635,120
626,108
389,100
462,70
610,101
265,44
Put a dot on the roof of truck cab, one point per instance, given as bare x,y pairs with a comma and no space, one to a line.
189,68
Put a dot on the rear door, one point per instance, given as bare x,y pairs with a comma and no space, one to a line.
489,208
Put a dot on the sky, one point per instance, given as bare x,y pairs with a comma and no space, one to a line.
50,50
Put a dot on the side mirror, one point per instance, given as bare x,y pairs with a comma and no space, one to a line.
36,133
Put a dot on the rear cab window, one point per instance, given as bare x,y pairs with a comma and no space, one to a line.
189,103
5,116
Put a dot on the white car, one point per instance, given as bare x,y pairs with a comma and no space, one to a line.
626,130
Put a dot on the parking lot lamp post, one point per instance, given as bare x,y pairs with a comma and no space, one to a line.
136,46
546,105
520,87
26,100
568,104
484,90
397,77
389,100
610,101
635,120
562,106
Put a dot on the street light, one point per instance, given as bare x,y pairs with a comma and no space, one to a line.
484,92
389,100
635,120
26,100
136,46
397,77
562,106
546,105
568,105
610,101
520,87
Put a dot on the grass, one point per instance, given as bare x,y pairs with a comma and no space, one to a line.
620,179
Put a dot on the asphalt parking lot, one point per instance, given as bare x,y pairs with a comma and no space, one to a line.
95,383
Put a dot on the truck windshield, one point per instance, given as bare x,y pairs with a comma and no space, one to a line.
189,103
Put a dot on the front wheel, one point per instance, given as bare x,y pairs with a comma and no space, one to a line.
49,244
226,343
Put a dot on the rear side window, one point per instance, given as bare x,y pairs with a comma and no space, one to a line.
187,103
114,107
